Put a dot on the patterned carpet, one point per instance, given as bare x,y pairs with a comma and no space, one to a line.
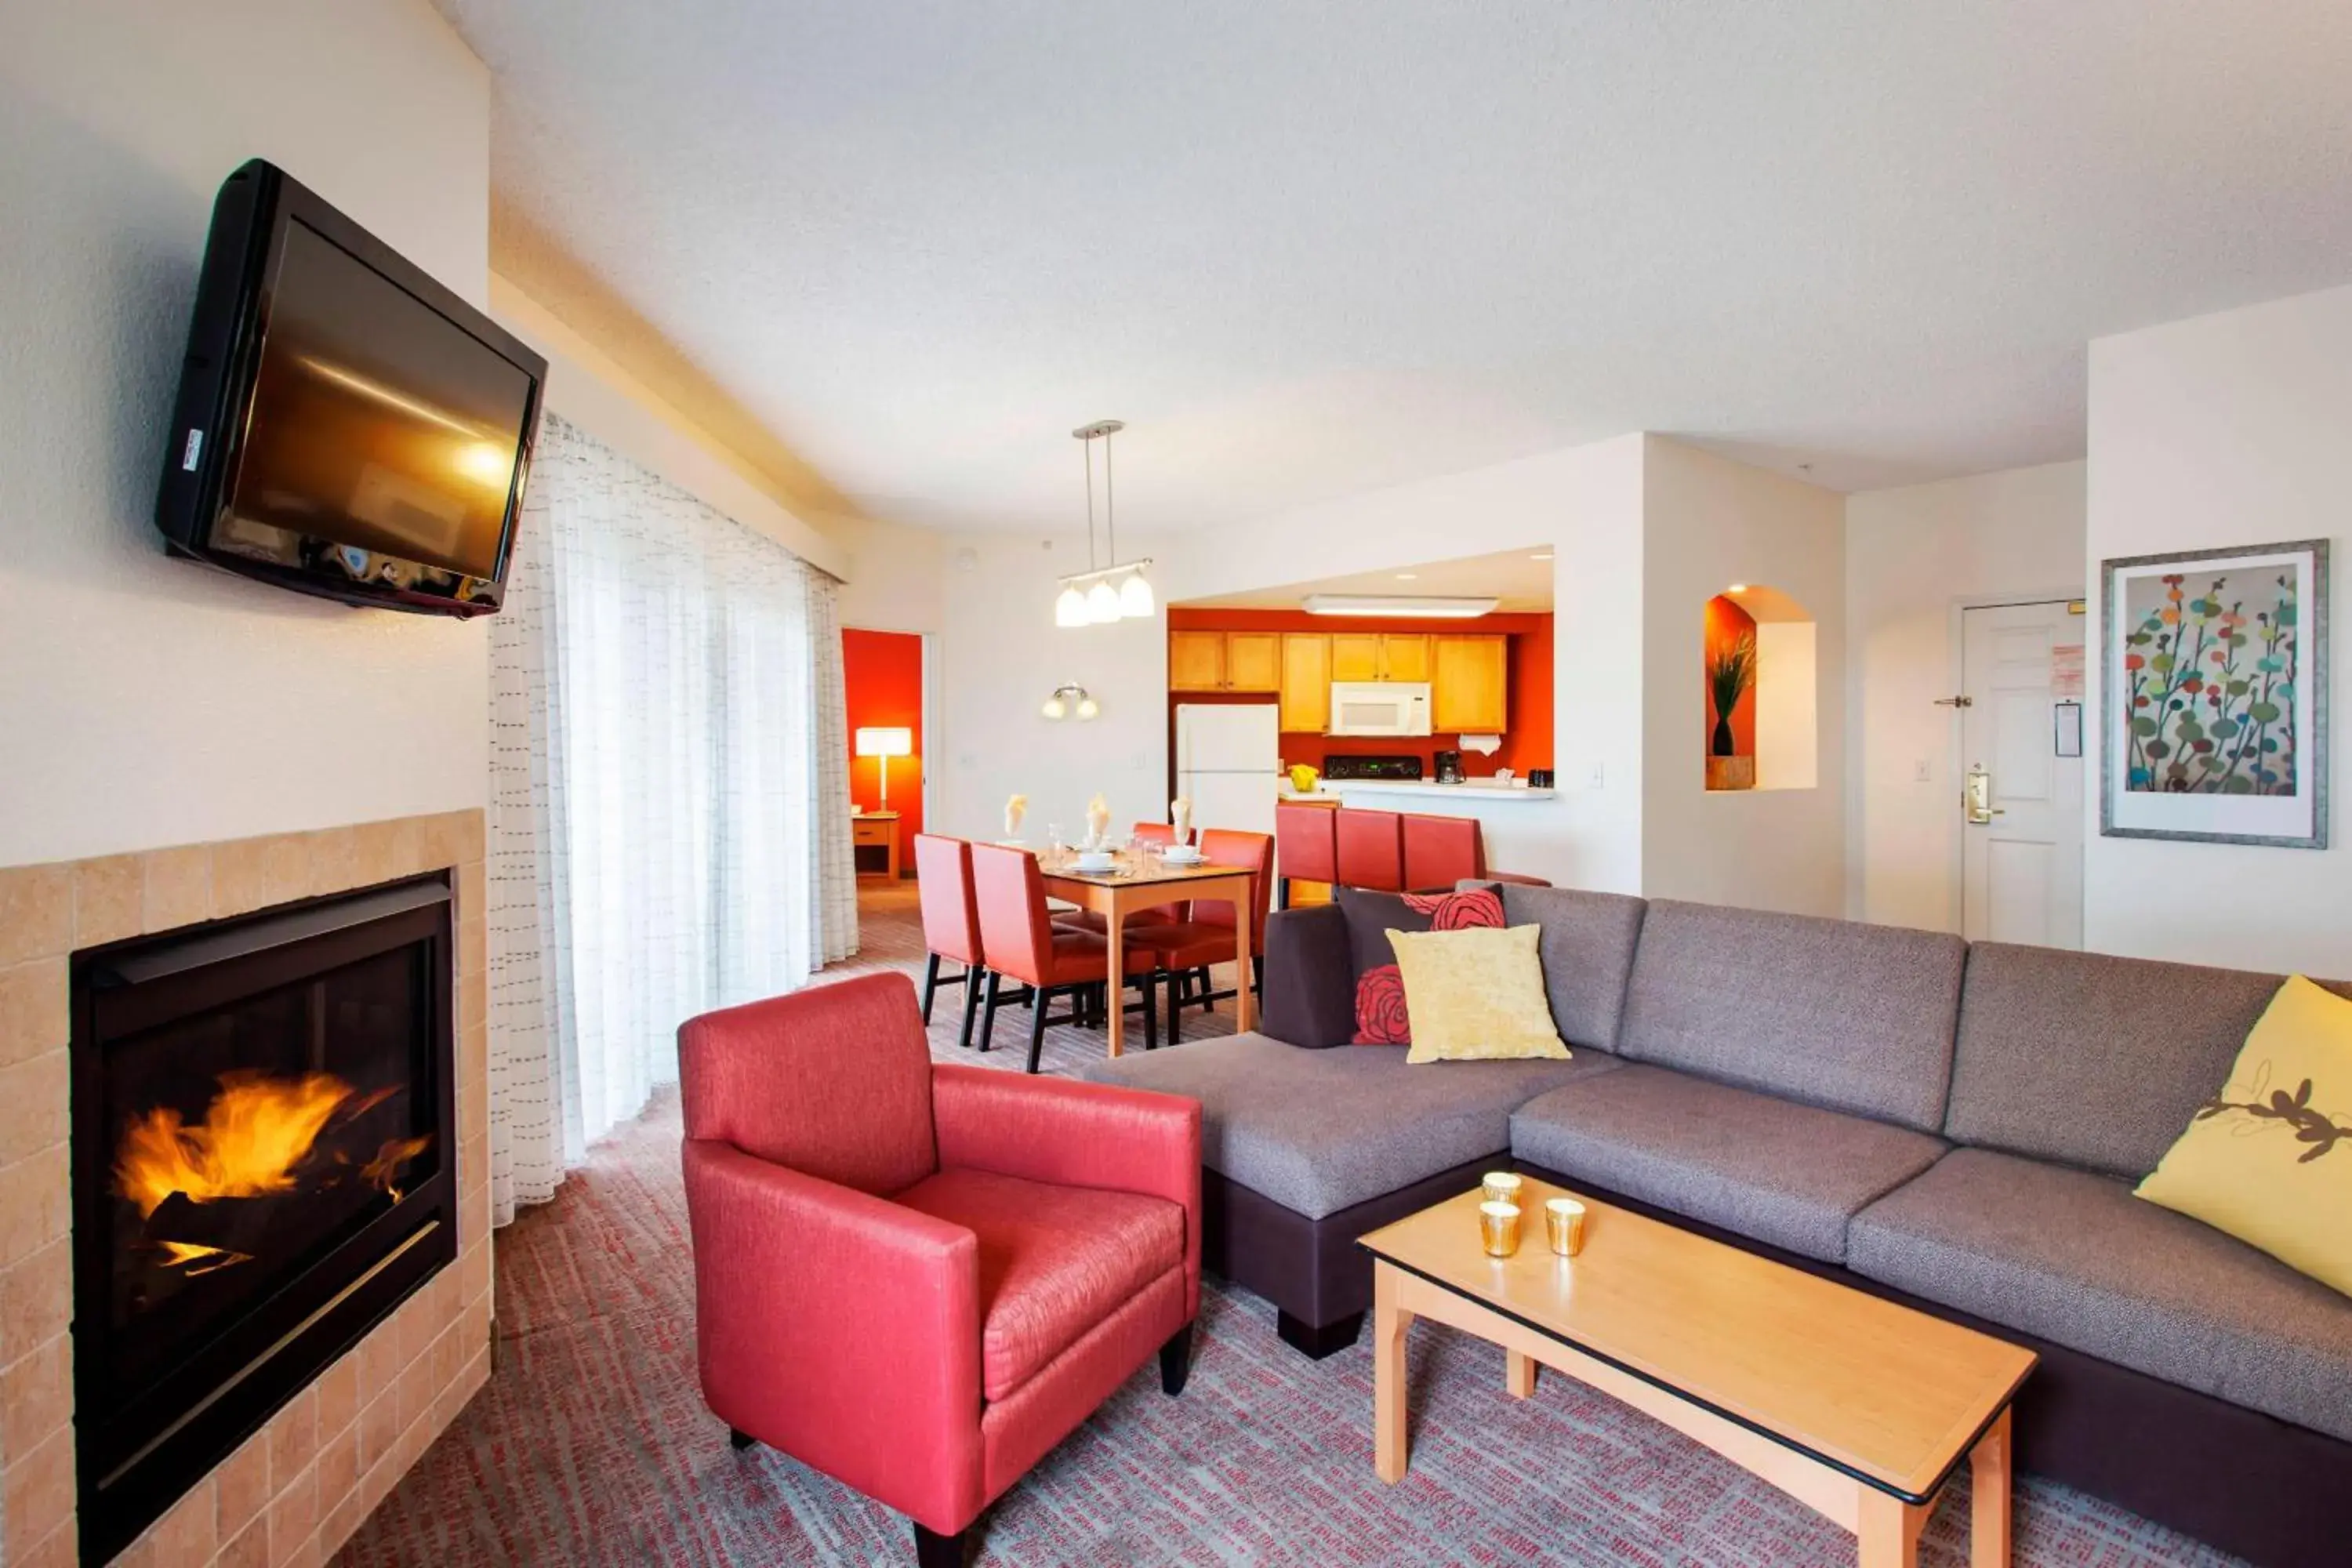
591,1445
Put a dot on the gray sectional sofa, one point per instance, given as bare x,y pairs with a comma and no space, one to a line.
1954,1126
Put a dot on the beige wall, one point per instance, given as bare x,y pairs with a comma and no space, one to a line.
149,701
1914,557
1709,523
2226,430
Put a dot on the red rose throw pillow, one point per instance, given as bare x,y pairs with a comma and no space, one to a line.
1381,1017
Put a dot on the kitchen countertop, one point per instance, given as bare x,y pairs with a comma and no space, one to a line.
1463,794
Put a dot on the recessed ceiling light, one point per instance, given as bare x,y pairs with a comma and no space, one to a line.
1739,588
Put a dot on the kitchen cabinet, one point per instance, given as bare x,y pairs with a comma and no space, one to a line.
1305,691
1380,655
1469,684
1196,661
1405,656
1252,661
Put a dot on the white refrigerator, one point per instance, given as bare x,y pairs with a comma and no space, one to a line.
1225,757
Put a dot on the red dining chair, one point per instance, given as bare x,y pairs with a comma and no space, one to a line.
919,1278
1086,920
1018,941
1372,849
950,922
1439,851
1187,948
1305,848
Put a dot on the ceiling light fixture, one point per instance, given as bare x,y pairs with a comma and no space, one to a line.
1739,588
1418,605
1101,594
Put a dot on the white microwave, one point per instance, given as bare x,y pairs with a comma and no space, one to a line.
1380,708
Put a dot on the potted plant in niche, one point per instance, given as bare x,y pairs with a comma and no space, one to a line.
1730,675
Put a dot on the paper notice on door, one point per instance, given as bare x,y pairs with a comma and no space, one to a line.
2066,669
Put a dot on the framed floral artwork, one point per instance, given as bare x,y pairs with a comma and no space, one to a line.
2214,696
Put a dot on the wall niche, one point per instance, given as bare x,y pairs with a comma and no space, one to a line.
1760,700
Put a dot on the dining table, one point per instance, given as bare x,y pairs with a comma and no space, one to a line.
1138,880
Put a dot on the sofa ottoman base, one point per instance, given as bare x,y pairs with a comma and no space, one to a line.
1316,1341
2248,1483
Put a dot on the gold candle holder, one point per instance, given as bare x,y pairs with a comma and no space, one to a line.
1564,1226
1498,1228
1499,1187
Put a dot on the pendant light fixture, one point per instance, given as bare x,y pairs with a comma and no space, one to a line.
1101,594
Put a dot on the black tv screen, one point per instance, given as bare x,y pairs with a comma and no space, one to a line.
347,425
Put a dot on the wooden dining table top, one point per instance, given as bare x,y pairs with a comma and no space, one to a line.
1135,871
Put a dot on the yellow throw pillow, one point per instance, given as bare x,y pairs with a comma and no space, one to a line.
2269,1159
1475,995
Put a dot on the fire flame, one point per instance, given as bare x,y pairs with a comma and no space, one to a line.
198,1259
256,1134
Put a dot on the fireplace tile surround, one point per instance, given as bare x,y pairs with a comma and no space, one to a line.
295,1491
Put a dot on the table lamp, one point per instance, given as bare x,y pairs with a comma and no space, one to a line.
884,743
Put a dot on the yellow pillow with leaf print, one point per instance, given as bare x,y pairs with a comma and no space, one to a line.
1475,995
2269,1159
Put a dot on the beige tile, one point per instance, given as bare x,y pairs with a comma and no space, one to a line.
341,1518
36,1204
417,1390
35,1300
379,1356
38,1491
242,1484
474,1054
414,1322
187,1533
293,1436
448,1356
379,1426
445,839
473,833
109,899
35,912
375,852
179,886
254,873
35,1101
338,1396
477,1319
339,1467
473,945
36,1396
306,1553
36,1011
407,850
473,1105
249,1549
60,1549
294,1515
334,860
473,1002
473,890
474,1271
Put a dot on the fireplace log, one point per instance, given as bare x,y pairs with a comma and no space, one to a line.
234,1225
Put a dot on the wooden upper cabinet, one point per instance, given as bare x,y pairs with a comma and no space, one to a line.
1355,656
1405,656
1196,661
1252,661
1469,684
1306,682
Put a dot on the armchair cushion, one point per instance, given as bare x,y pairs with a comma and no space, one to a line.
1055,1261
833,1081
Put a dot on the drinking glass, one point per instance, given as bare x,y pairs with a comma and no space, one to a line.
1564,1226
1498,1228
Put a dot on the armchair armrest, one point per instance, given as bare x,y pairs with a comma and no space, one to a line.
1310,977
1075,1136
841,1328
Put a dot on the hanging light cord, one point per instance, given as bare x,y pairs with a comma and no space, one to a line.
1110,502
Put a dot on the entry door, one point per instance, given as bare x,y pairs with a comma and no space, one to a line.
2021,857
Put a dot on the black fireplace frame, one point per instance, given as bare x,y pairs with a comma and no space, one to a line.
135,1461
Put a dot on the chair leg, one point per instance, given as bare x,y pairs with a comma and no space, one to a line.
930,984
1257,967
995,983
1150,1012
739,1440
1208,990
1037,1025
970,1003
1281,892
1176,1362
933,1549
1175,1007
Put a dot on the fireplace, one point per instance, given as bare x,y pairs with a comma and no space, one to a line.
263,1168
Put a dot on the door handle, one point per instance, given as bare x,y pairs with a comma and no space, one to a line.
1976,800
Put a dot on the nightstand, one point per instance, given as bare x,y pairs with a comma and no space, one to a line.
874,835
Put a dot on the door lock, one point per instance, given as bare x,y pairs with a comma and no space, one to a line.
1976,799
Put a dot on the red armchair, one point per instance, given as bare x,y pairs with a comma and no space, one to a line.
916,1278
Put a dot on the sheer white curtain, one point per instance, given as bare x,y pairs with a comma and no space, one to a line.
669,826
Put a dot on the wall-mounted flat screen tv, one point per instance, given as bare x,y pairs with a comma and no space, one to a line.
346,425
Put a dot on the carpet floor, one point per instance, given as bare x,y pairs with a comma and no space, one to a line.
591,1444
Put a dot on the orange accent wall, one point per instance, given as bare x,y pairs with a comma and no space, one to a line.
882,683
1726,622
1527,744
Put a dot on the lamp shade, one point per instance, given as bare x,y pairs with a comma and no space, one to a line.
884,742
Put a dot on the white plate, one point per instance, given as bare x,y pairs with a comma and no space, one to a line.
1095,862
1182,857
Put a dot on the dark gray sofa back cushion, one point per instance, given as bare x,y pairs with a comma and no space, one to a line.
1587,948
2095,1060
1833,1013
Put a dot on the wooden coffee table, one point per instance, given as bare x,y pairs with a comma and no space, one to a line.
1857,1406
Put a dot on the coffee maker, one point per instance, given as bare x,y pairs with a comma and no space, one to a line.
1449,767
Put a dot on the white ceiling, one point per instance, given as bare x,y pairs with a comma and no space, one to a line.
1310,250
1519,579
